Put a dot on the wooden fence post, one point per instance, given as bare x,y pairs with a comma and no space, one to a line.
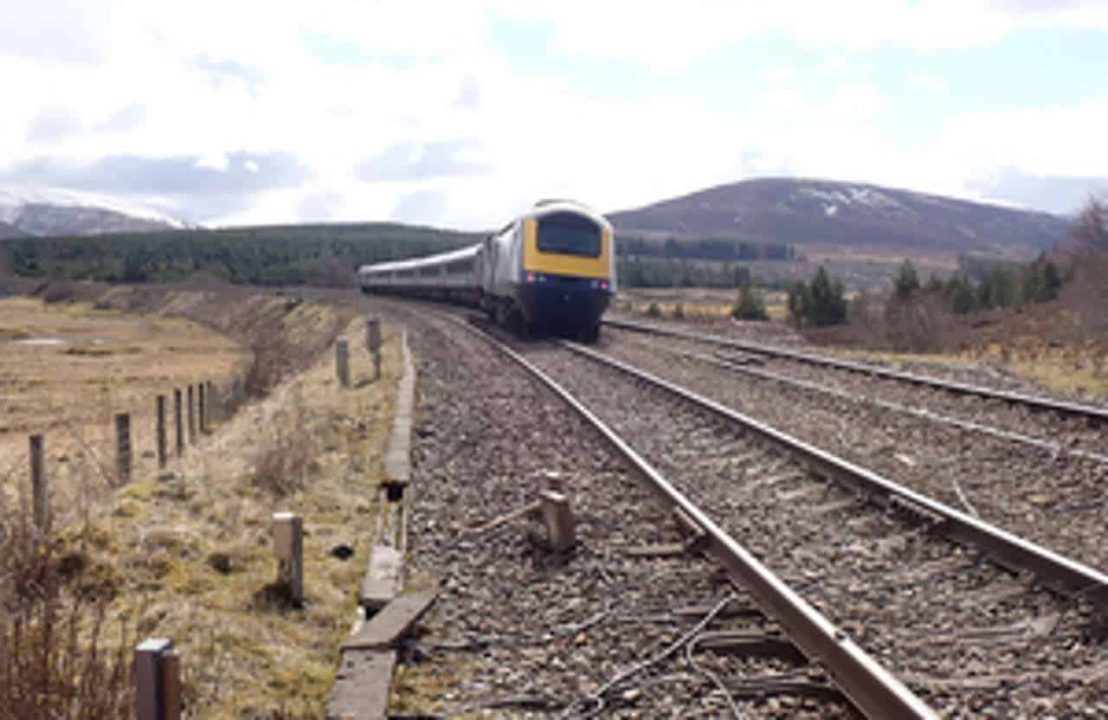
159,423
122,448
180,424
202,407
288,546
342,362
157,680
214,410
373,344
191,412
40,491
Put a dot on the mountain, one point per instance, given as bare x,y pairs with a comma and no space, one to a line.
9,231
52,212
824,213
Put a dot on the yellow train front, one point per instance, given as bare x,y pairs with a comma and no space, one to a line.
550,270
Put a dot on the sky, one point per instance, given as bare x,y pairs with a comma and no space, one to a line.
463,113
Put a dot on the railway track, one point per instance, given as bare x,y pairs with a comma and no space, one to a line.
1086,412
971,636
1030,479
871,688
613,630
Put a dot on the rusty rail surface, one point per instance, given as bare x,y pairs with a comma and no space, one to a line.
1063,575
875,691
1091,412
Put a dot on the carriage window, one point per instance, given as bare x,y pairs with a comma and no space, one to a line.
460,267
569,234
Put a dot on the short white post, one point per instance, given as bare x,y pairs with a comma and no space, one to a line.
288,546
342,362
558,519
157,680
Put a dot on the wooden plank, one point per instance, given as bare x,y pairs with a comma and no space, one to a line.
362,685
382,582
391,623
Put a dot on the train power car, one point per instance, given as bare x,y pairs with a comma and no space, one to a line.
552,269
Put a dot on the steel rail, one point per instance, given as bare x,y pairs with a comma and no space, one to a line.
1053,448
1038,402
1057,572
875,691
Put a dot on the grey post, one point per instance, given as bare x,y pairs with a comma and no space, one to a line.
191,412
288,546
342,362
123,448
202,407
40,491
180,427
159,423
373,344
157,680
558,519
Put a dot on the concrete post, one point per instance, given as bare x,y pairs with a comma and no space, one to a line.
157,680
159,423
180,424
342,362
288,547
40,490
558,518
191,412
122,448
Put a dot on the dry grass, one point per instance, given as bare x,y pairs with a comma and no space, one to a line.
192,554
58,657
65,370
187,554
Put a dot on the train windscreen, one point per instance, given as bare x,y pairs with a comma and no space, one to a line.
569,234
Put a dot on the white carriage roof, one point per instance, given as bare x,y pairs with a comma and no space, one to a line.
465,253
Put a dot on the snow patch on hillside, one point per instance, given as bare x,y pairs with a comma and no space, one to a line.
13,200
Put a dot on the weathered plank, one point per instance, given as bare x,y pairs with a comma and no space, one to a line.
382,582
362,685
386,627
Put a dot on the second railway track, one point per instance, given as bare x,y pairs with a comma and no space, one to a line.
971,637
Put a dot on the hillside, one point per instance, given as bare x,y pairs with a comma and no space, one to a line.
56,212
821,213
9,231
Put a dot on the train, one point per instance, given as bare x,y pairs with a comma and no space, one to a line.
550,270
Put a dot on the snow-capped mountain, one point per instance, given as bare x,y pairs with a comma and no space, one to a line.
56,212
803,212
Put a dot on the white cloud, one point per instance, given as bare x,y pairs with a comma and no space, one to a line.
223,85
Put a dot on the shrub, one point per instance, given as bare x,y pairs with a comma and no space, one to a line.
750,305
654,311
53,663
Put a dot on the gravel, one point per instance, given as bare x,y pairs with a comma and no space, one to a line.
972,639
518,632
1057,500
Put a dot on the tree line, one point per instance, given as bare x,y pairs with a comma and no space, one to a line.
714,249
321,254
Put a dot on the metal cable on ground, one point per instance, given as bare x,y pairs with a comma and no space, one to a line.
597,698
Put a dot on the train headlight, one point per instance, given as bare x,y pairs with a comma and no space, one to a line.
530,277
